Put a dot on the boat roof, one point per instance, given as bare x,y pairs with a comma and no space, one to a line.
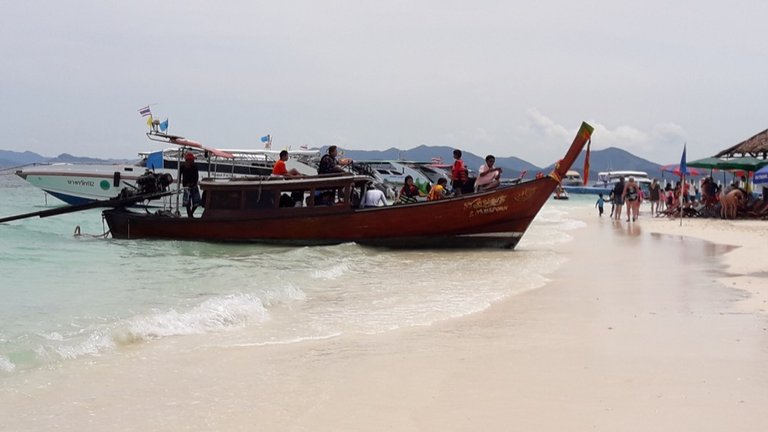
291,152
623,173
245,154
285,182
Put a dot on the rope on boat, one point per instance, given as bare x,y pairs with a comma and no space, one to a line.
79,234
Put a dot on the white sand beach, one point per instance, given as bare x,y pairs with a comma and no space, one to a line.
648,327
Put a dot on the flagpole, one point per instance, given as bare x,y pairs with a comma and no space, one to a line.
683,170
682,190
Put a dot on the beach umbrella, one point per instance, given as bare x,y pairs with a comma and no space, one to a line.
743,163
761,176
675,169
710,162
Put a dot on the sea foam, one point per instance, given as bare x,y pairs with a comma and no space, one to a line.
6,365
215,314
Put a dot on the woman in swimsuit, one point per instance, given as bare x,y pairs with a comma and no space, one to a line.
632,197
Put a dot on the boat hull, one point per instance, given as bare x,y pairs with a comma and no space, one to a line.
493,219
587,190
77,184
80,184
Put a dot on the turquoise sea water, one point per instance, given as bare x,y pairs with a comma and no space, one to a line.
64,297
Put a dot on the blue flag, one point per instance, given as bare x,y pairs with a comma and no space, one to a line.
265,138
164,126
683,164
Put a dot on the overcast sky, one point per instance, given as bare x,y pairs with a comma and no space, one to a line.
503,77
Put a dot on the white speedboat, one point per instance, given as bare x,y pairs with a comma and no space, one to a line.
608,179
572,178
560,193
391,174
84,183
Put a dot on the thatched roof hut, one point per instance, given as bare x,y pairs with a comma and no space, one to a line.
757,146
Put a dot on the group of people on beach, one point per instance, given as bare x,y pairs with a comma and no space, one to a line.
708,199
627,193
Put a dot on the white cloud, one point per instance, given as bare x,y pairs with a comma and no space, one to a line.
541,125
545,139
372,75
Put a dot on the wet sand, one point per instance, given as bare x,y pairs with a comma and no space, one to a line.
638,331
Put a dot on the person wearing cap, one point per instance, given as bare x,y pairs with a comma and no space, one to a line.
189,177
373,197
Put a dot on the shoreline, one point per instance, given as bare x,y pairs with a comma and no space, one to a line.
745,269
641,329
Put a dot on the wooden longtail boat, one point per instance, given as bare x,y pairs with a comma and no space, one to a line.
261,210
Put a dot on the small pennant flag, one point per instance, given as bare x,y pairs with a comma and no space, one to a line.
145,111
267,140
164,126
149,121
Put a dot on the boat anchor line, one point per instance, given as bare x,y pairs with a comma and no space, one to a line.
77,233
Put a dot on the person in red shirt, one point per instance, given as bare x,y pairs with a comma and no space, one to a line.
458,173
279,169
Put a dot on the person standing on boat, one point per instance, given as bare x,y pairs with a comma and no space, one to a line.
488,176
189,178
329,164
279,169
459,173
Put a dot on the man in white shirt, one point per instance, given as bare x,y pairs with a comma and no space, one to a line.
373,198
488,176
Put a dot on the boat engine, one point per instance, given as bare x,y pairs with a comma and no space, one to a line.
148,183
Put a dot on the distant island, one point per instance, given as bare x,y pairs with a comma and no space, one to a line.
9,159
608,159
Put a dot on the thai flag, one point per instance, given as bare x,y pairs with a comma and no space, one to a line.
303,147
145,111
